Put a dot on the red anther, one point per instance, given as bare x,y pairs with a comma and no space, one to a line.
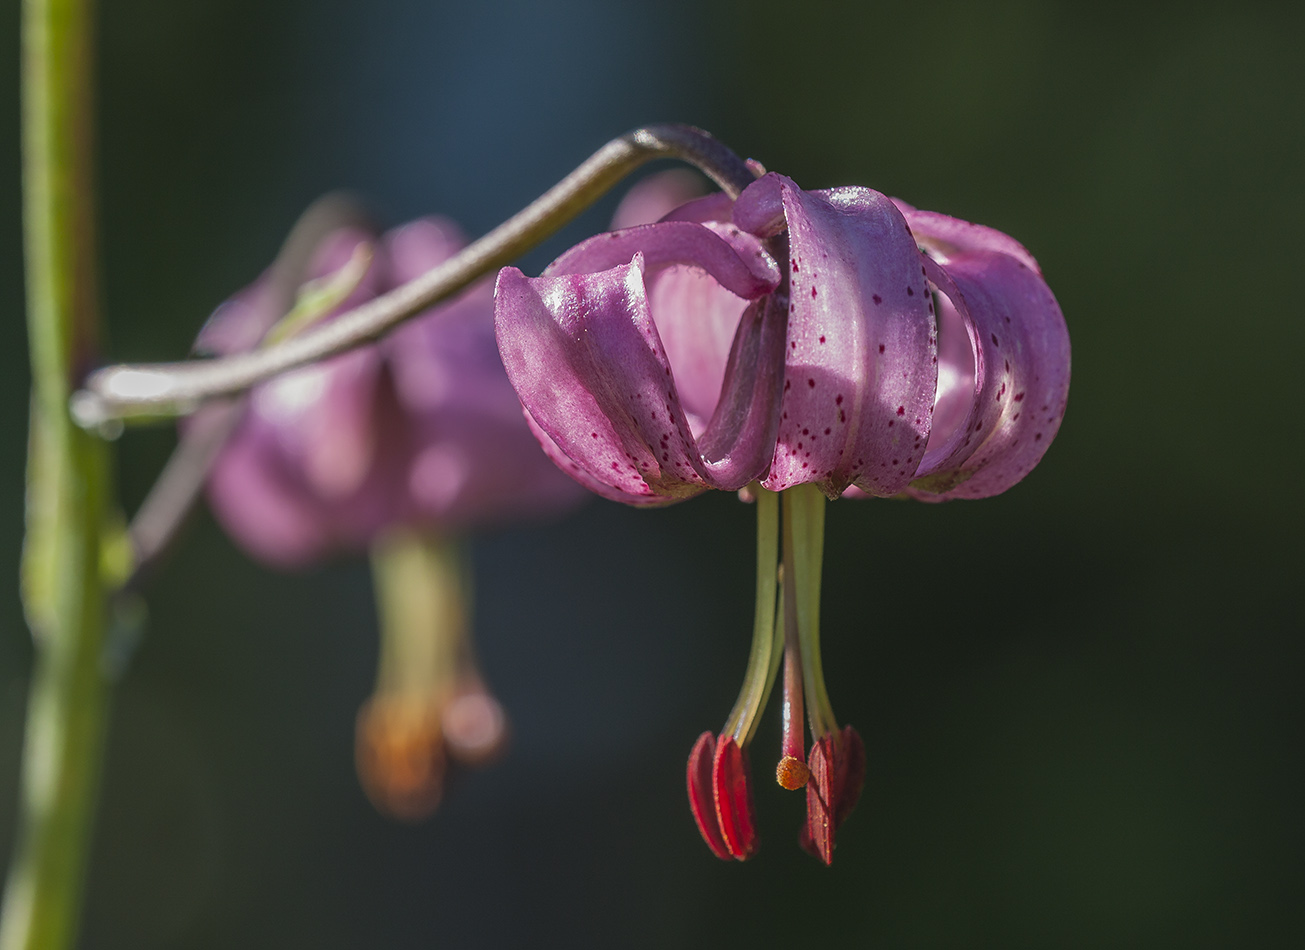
837,774
733,790
702,798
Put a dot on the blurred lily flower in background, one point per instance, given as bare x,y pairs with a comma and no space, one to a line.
400,448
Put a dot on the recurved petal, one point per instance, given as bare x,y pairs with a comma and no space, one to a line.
323,418
1021,358
563,462
263,505
584,357
945,237
738,442
861,359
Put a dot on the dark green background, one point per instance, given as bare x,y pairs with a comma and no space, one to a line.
1080,700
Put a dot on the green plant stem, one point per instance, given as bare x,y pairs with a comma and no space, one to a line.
63,591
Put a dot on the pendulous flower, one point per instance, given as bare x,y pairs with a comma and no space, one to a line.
399,448
809,343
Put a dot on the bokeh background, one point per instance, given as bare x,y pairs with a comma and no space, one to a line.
1081,700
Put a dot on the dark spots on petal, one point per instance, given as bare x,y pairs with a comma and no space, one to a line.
616,467
994,339
1014,417
793,345
881,347
1019,397
827,431
666,457
811,383
901,410
876,298
594,434
1037,436
813,293
788,384
822,339
806,431
838,400
910,292
842,416
890,423
795,267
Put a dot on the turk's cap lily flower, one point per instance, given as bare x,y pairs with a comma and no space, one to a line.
809,343
421,428
394,448
661,360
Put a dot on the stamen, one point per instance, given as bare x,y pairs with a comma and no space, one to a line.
763,660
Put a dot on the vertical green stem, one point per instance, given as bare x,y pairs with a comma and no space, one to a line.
63,591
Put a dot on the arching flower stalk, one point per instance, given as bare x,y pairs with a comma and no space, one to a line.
788,338
400,448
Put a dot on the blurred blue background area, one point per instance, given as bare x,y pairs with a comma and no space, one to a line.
1080,700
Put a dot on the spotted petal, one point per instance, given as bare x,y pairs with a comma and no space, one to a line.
586,358
1017,375
861,370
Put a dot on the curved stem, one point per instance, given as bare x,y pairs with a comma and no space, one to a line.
174,388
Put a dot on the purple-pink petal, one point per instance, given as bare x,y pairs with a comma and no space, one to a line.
421,428
583,354
860,373
1021,359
